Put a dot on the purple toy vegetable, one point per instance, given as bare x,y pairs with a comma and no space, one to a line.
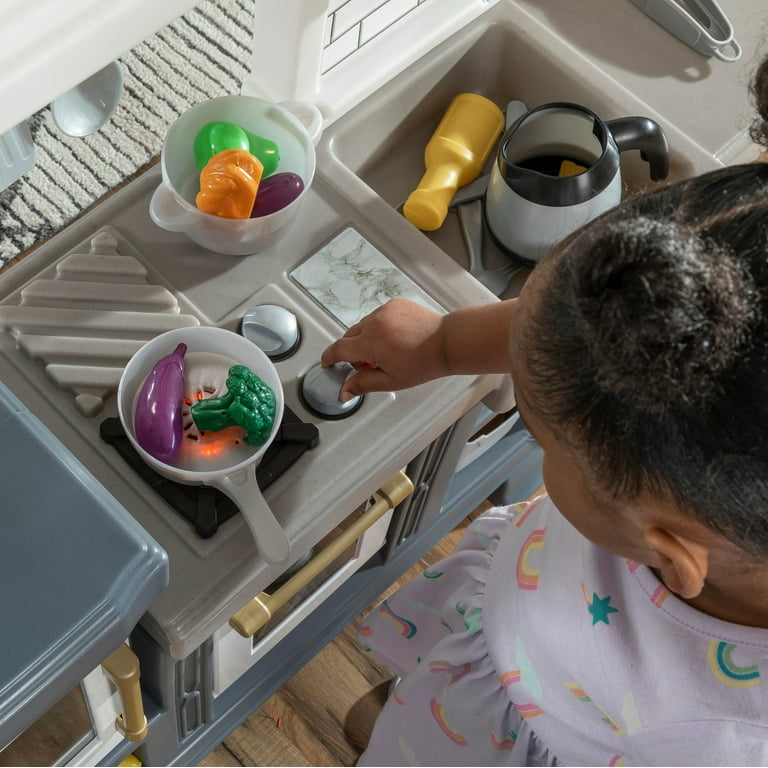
157,420
276,192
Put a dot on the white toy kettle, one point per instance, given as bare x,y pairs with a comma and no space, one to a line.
557,167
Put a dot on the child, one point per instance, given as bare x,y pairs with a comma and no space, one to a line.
623,617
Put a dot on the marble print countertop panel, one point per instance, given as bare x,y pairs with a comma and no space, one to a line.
349,278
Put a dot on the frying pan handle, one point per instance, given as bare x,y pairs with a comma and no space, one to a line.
244,490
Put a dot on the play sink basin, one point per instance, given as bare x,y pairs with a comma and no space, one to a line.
377,149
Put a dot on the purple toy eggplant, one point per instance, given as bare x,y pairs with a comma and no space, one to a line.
158,419
276,192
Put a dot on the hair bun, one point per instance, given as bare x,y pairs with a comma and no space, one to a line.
665,313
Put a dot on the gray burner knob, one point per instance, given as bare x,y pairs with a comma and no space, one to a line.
321,387
272,328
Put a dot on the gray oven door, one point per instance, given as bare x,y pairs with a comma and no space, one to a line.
76,570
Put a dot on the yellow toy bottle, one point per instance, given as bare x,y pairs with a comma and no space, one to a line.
453,157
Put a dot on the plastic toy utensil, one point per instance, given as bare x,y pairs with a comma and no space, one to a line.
276,192
157,419
228,184
215,137
88,106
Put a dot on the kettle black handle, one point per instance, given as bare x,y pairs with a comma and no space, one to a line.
646,135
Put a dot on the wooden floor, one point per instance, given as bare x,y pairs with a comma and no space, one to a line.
324,714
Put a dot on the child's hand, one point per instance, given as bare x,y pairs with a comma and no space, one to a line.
396,346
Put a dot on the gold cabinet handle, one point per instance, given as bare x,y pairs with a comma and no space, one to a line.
252,617
122,668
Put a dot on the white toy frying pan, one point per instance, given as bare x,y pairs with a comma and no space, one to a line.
219,459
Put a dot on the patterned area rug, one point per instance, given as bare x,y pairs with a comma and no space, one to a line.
203,54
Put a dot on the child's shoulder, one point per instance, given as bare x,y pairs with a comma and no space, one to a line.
535,511
510,526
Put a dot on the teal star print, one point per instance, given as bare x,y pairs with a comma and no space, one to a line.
600,609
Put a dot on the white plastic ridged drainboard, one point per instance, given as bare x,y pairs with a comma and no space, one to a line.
85,323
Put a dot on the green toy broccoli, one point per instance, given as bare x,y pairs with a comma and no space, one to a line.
248,403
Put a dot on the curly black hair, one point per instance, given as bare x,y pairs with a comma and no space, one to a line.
647,347
759,93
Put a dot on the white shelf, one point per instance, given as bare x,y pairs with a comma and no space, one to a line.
49,46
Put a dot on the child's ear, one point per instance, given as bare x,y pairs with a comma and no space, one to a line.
682,561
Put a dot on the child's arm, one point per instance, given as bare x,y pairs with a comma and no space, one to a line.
402,344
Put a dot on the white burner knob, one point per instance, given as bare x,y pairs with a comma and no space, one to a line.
321,386
272,328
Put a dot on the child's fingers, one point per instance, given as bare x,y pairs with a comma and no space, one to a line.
347,349
367,379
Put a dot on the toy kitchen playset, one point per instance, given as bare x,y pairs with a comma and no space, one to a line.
151,614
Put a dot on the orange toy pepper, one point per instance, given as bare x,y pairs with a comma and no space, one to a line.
228,184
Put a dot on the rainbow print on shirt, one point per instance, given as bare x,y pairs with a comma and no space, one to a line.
438,712
660,594
529,710
407,628
525,508
527,575
455,673
507,741
581,695
507,678
726,671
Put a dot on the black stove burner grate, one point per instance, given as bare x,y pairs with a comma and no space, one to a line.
204,507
